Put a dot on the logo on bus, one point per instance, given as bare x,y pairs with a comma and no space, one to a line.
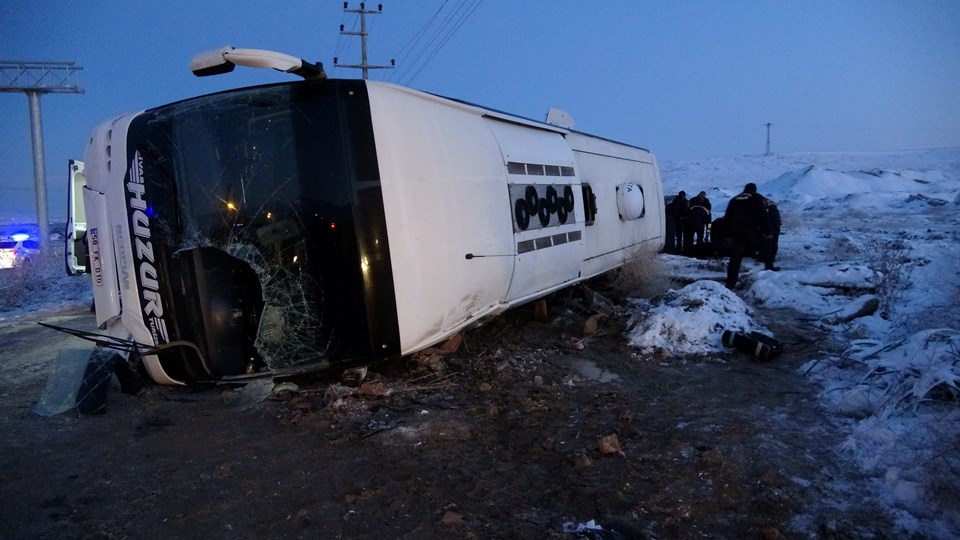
150,301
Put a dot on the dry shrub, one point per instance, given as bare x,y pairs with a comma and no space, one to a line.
28,279
892,265
643,277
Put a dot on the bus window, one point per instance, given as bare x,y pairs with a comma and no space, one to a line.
589,204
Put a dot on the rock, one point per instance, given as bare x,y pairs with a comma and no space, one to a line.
609,444
770,533
451,517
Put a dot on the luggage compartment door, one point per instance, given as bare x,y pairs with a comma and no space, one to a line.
543,193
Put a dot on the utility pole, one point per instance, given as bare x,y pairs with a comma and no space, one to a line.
363,65
34,79
768,124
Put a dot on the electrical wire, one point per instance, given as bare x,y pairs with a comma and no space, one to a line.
429,49
438,36
459,24
405,51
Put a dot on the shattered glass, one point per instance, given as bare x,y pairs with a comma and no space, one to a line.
259,176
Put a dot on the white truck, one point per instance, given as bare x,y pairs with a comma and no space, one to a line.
304,223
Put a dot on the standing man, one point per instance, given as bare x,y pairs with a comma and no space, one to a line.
698,218
748,228
677,211
773,245
670,242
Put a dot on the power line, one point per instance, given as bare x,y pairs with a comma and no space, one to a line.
432,38
449,27
449,35
404,51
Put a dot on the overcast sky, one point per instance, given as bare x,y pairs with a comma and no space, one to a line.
686,79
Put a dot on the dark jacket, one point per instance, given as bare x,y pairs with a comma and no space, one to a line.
746,217
677,208
773,216
701,201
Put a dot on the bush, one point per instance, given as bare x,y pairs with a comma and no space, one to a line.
41,281
643,277
891,265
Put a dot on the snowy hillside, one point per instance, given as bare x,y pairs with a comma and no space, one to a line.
857,228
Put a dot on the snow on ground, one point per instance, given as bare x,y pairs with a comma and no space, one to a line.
856,226
41,286
859,229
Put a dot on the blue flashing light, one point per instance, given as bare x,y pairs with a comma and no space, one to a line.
19,237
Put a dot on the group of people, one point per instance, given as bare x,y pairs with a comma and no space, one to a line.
750,226
687,223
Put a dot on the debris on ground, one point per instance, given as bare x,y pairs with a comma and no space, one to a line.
354,376
609,444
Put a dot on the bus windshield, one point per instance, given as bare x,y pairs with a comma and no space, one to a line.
266,176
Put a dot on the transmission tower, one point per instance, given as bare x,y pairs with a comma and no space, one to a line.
34,79
363,65
768,124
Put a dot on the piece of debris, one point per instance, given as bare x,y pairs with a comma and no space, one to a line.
354,376
249,395
429,362
600,304
609,444
590,325
862,306
373,389
761,346
540,311
625,417
336,392
285,391
581,528
575,343
450,346
484,387
80,381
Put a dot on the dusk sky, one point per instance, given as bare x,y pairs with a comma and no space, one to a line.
686,79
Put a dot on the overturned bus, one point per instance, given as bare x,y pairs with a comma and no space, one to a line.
296,225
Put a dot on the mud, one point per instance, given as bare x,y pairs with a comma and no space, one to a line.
497,440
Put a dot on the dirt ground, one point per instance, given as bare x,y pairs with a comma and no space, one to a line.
509,437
